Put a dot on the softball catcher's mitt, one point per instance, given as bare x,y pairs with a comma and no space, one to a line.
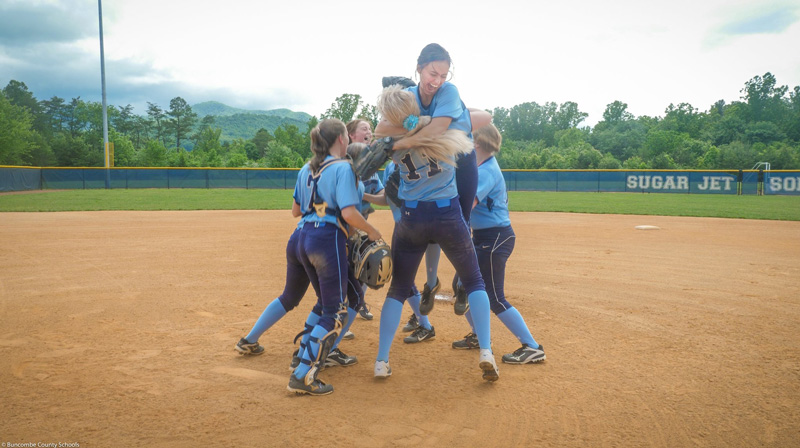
401,80
373,157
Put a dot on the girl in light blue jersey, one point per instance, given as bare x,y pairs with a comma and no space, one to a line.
360,132
440,100
297,282
326,197
430,213
494,241
418,324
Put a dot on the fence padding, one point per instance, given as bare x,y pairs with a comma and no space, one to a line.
685,182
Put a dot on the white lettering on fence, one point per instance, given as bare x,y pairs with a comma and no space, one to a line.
714,183
784,183
645,182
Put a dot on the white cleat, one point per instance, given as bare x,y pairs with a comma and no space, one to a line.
382,369
490,371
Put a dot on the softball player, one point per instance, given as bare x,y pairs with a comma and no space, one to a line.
297,282
494,239
431,213
418,324
440,100
327,194
355,289
360,132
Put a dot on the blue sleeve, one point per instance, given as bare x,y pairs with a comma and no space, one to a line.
486,181
301,188
448,102
346,190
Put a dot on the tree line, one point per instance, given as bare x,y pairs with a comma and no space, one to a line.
764,126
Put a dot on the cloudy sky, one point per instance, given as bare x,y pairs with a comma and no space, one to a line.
302,54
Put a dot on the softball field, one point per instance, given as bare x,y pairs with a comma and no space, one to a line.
118,328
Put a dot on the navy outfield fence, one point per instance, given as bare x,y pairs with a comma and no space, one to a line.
756,182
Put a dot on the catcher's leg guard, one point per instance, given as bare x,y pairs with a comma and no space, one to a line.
320,344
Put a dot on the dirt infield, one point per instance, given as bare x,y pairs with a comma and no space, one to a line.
117,329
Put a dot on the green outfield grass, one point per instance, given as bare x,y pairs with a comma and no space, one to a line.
723,206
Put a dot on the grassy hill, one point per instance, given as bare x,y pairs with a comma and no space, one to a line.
244,123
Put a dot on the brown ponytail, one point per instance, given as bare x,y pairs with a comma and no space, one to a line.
323,136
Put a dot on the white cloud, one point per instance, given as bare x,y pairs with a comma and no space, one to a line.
302,55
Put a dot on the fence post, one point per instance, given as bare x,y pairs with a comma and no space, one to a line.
739,181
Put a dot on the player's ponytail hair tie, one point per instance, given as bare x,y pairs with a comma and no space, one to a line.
410,122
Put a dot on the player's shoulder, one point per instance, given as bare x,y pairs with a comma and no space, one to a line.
448,88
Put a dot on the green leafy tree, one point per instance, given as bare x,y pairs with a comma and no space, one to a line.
634,163
568,116
290,137
181,120
344,107
736,155
683,118
280,156
207,122
55,113
124,120
782,155
259,144
124,151
369,113
18,94
763,132
622,139
16,133
616,112
154,154
587,158
208,140
158,120
792,122
76,116
608,162
764,98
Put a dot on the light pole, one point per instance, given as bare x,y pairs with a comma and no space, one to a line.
105,106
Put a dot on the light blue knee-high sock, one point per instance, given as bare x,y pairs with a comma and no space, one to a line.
312,320
351,316
432,254
390,319
310,353
468,315
413,302
481,319
272,313
513,321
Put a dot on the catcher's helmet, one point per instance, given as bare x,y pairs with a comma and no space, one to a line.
371,260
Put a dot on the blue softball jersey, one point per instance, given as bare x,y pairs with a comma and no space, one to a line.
447,103
336,186
431,180
492,208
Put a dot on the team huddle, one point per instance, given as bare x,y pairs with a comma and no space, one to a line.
446,193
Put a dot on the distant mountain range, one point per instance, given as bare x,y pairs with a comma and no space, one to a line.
244,123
